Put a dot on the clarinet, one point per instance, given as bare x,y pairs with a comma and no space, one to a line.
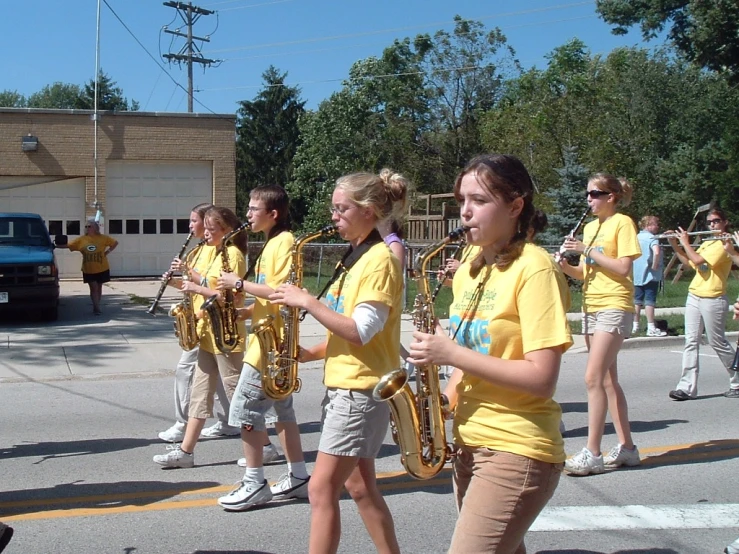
558,255
165,282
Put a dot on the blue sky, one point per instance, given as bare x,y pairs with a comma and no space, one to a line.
314,41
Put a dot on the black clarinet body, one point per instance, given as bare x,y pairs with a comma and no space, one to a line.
153,308
558,255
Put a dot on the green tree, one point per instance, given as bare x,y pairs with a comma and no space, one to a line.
12,99
110,96
267,136
55,96
567,199
704,31
465,72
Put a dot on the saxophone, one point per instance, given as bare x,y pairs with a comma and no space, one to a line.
280,357
418,420
185,322
223,319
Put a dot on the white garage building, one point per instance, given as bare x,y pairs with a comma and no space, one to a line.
152,169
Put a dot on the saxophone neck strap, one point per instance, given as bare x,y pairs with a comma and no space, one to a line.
350,257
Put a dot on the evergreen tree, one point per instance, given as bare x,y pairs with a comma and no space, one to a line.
110,96
568,199
267,136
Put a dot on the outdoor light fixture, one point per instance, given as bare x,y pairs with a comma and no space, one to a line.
29,143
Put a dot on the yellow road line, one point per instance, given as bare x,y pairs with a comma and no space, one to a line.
387,481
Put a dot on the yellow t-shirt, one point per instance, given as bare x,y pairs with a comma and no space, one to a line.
272,269
604,290
200,259
469,253
507,314
375,277
237,265
710,277
93,248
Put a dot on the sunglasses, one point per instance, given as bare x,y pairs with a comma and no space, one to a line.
713,221
596,193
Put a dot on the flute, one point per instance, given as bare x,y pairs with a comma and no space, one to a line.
558,255
168,277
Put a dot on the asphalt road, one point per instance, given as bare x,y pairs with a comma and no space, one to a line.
76,474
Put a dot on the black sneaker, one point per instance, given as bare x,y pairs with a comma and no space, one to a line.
6,533
732,393
681,395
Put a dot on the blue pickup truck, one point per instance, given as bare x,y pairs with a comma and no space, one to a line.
29,278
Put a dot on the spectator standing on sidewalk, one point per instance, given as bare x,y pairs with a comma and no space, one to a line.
94,248
608,249
706,306
647,275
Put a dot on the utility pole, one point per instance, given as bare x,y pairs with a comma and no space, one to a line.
190,52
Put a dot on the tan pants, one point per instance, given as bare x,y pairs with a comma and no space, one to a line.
212,367
499,495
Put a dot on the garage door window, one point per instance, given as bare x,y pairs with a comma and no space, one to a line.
56,227
183,226
166,226
73,227
150,226
132,226
115,226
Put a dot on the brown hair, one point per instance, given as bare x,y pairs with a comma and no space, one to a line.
714,209
506,178
201,209
274,198
619,187
227,220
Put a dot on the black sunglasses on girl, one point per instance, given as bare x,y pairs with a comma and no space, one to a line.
596,193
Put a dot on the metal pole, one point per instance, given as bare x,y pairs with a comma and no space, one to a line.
95,107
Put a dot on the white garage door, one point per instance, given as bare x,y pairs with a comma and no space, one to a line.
60,203
148,210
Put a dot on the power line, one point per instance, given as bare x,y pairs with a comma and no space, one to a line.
388,75
150,55
397,29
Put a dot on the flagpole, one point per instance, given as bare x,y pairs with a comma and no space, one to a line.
95,112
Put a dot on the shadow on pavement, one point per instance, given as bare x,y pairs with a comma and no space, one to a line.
636,427
77,495
700,452
630,551
65,449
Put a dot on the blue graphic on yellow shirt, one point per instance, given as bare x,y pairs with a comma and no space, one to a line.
261,279
336,304
591,261
473,335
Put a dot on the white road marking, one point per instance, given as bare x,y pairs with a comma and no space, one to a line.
594,518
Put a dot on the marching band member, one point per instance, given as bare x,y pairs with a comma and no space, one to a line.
706,306
362,316
268,213
211,362
197,260
608,249
509,331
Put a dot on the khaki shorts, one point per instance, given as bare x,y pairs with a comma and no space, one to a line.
353,423
616,322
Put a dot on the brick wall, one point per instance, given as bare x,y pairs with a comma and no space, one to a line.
66,144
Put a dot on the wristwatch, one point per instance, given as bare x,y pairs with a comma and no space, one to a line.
239,285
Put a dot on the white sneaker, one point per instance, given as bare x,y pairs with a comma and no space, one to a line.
584,463
619,456
656,333
175,458
219,429
247,495
270,455
290,486
174,434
